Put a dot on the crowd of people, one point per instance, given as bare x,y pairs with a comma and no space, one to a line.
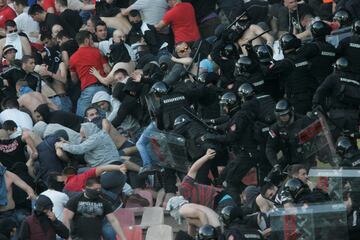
100,99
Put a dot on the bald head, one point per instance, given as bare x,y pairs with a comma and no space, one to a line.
118,36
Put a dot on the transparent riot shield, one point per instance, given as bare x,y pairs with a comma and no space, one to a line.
316,142
338,183
168,150
338,35
314,222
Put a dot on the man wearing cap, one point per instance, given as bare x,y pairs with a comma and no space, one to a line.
9,52
43,224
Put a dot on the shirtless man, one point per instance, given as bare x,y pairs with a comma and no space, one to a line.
30,99
250,31
10,179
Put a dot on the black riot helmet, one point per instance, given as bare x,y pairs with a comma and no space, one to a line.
207,232
208,78
296,188
283,107
225,215
342,65
181,120
229,51
343,17
320,29
230,101
289,41
356,27
159,89
343,145
246,91
244,65
264,53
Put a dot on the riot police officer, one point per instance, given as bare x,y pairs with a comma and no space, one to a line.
284,136
262,116
263,54
294,73
192,130
350,48
343,17
164,106
238,224
339,95
225,55
248,71
324,54
207,232
238,134
349,153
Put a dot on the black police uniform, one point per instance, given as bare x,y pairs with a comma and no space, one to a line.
285,138
351,159
239,135
343,91
350,49
295,76
324,55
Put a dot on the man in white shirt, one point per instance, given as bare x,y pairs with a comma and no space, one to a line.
11,112
54,192
24,22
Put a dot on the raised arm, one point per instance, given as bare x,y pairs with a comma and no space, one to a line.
110,168
210,154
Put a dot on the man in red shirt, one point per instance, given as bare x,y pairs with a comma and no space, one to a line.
6,13
182,19
80,63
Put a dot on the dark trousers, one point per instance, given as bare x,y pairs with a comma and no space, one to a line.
236,169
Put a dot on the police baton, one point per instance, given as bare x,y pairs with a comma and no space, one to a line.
197,119
249,42
236,20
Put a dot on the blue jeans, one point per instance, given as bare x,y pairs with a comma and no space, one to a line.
108,233
64,103
143,142
86,96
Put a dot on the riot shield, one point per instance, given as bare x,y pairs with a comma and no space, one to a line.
314,222
168,150
336,182
316,142
152,103
338,35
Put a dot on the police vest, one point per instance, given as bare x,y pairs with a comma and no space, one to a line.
349,91
321,65
265,118
171,106
300,79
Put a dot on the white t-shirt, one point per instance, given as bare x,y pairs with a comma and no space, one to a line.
26,24
22,120
59,199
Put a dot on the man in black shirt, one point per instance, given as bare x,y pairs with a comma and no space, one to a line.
89,209
26,72
70,17
46,20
